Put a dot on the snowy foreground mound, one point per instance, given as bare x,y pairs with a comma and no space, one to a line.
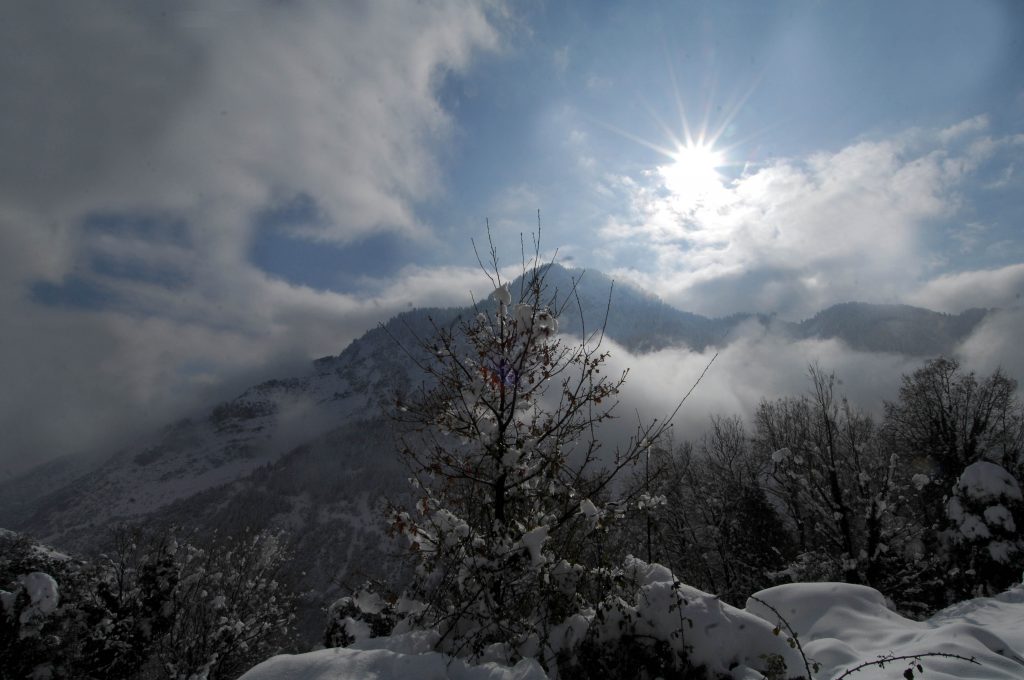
839,625
842,625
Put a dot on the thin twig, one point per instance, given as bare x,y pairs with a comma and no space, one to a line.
794,638
880,662
692,388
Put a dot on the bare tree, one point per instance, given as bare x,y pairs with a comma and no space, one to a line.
502,442
714,525
838,486
945,419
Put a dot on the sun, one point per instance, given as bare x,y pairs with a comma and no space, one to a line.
694,167
694,173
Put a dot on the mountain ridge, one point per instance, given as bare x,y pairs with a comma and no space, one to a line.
313,454
261,424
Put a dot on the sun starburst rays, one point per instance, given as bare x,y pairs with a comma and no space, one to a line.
695,164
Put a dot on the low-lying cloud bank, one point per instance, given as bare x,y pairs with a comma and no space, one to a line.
105,377
759,364
990,288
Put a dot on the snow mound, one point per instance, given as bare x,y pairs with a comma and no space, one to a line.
729,642
841,626
726,640
381,664
405,657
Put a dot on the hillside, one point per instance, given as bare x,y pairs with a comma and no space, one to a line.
314,453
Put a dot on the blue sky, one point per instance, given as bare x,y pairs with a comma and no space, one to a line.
576,94
194,197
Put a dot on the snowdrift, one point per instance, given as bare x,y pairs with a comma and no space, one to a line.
842,625
407,657
839,625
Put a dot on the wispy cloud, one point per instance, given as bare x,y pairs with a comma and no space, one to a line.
989,288
966,127
995,344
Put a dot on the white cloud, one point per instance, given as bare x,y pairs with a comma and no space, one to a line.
759,364
793,236
977,124
996,344
334,100
989,288
755,366
210,114
205,115
79,380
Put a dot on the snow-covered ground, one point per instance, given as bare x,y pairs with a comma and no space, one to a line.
839,626
842,625
405,657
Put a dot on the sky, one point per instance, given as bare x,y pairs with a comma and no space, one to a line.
195,196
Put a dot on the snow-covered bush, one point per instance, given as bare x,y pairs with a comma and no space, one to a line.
945,419
37,619
819,492
27,630
228,609
985,511
653,626
150,606
647,625
363,615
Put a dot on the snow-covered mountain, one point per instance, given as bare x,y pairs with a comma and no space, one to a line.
61,500
71,494
228,443
314,453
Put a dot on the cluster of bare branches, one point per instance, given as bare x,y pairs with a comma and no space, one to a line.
514,489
